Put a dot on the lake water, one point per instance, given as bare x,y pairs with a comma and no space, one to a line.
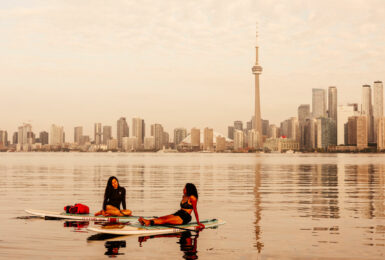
277,206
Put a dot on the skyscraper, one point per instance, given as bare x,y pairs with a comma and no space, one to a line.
238,140
195,138
107,134
3,138
303,112
98,133
78,133
357,131
318,102
332,103
24,133
230,132
157,133
43,136
257,70
367,110
179,135
138,129
378,105
343,113
381,134
208,142
238,125
56,135
122,130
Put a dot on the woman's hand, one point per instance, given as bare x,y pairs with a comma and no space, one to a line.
200,226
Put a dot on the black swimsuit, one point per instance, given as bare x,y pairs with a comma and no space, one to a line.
184,215
115,197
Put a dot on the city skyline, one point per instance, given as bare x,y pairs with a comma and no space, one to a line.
59,70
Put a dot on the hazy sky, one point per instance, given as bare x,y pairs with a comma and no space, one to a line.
180,63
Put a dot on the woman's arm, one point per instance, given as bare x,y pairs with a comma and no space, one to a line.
106,196
194,204
123,198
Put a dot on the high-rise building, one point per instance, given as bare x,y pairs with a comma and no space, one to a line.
249,125
179,135
252,139
343,113
43,136
238,125
220,144
112,144
98,133
265,127
319,102
56,135
78,132
378,105
166,140
15,138
367,110
357,131
303,114
332,103
149,143
326,133
195,138
381,134
107,134
24,133
3,138
238,140
257,70
122,130
290,128
157,133
310,134
85,140
230,132
208,139
273,131
138,128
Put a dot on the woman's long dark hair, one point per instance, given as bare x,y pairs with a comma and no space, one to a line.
191,190
109,186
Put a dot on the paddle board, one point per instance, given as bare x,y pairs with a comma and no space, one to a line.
80,217
137,229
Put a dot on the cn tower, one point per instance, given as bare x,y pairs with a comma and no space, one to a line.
257,70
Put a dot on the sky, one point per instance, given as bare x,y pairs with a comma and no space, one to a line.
180,63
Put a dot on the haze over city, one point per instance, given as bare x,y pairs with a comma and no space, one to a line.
181,64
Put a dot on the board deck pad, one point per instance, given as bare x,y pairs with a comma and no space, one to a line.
138,229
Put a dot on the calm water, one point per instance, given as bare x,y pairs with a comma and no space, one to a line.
300,206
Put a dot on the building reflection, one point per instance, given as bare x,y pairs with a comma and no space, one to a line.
257,199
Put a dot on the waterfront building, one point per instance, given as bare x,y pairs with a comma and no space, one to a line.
381,134
3,138
24,133
238,140
107,134
290,128
208,139
357,131
98,133
130,144
157,133
195,139
378,105
367,110
280,144
273,131
186,144
257,70
43,136
56,135
249,125
343,113
230,132
78,132
238,125
220,144
332,103
85,140
310,134
303,114
318,102
179,135
326,132
149,143
166,140
138,129
252,139
265,127
122,130
15,138
112,144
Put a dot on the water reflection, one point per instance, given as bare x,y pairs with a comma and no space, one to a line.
258,209
113,248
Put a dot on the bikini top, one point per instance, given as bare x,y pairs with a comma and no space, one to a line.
186,205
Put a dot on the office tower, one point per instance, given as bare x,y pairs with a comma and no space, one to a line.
249,125
252,139
343,113
208,139
238,140
265,127
310,134
220,144
319,102
43,136
290,128
166,140
23,133
179,135
357,131
367,110
3,138
326,133
107,134
122,130
257,70
138,129
378,105
303,112
238,125
130,144
195,138
332,103
245,135
78,132
15,138
381,134
149,143
157,133
273,131
56,135
98,133
230,132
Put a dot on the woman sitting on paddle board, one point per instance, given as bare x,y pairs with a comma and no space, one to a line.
113,197
182,216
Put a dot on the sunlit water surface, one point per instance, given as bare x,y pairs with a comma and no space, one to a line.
289,206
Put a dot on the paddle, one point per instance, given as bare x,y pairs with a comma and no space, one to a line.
176,227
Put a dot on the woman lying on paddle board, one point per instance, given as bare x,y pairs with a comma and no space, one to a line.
182,216
113,197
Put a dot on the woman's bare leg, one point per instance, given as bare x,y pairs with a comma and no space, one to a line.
126,212
101,212
169,219
112,211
